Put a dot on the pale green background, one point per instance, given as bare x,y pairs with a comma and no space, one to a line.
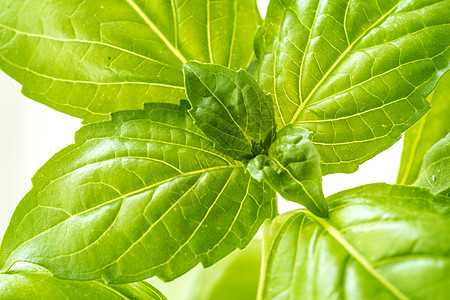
30,133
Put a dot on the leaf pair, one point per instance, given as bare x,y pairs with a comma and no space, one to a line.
354,73
145,194
147,184
292,168
232,110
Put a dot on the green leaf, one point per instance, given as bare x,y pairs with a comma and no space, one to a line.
236,277
230,108
380,242
293,169
144,194
90,58
355,73
28,284
435,171
426,132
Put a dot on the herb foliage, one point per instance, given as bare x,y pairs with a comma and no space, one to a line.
155,184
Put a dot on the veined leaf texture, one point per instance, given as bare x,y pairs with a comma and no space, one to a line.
89,58
354,72
141,195
380,242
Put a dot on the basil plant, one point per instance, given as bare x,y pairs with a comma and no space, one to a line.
197,114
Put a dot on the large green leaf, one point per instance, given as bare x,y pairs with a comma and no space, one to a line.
355,73
29,284
236,277
292,168
435,171
426,132
230,108
380,242
88,58
144,194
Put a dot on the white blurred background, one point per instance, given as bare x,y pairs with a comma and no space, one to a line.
30,133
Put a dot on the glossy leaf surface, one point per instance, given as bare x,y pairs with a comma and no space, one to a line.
355,73
380,242
292,168
230,108
435,171
88,58
42,286
426,132
144,194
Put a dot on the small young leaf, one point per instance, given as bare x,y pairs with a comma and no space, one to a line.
426,132
354,73
141,195
89,58
435,171
380,242
42,286
292,169
230,108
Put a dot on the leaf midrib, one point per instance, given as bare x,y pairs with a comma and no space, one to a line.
39,74
189,239
229,164
357,256
81,41
248,140
133,193
169,45
298,182
337,62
